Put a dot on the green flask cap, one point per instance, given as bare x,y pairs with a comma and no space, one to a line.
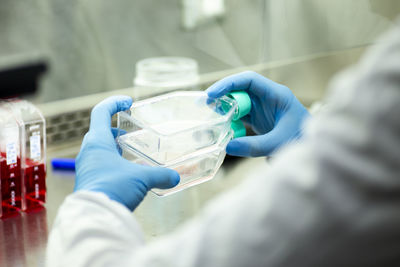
238,129
243,108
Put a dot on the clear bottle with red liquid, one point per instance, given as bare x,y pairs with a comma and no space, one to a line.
32,131
10,164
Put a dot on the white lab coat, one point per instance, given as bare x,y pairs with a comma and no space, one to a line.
332,199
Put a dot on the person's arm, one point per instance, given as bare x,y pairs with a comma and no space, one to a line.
330,200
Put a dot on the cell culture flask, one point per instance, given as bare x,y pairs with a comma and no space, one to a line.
186,131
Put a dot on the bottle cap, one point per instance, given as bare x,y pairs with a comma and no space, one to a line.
244,106
238,129
244,103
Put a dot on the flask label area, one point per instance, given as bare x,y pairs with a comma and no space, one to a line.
35,147
11,152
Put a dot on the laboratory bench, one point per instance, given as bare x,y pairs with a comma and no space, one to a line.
23,238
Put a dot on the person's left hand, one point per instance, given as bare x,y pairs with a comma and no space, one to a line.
100,167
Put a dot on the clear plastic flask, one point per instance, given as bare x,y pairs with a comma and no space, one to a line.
186,131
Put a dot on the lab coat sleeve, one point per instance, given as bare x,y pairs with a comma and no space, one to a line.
331,199
91,230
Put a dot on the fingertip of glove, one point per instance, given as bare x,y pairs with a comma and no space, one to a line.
170,178
113,104
215,90
211,92
234,148
176,178
126,102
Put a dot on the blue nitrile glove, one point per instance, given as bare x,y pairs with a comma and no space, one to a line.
101,168
276,115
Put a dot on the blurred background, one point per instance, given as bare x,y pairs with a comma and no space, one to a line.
92,46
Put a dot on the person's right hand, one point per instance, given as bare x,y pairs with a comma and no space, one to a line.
276,115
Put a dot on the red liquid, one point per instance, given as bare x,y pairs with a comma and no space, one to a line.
10,186
35,185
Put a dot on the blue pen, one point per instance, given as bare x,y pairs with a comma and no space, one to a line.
63,163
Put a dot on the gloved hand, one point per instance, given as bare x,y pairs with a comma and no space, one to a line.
100,167
276,115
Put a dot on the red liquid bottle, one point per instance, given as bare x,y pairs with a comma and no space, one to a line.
32,131
10,165
35,185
